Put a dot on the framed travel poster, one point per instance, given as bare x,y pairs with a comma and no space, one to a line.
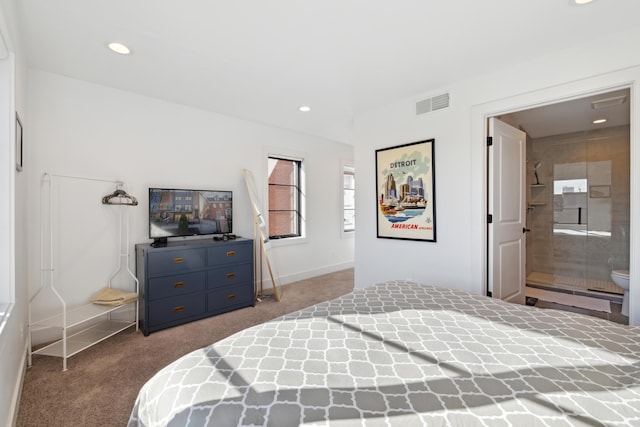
405,184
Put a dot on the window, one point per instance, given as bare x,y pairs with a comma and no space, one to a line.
7,194
285,193
570,195
349,202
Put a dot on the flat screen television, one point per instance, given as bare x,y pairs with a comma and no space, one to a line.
180,212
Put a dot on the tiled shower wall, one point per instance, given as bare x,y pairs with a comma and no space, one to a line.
581,254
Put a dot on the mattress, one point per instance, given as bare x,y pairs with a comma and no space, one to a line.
406,354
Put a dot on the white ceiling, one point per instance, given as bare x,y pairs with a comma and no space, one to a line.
261,59
576,115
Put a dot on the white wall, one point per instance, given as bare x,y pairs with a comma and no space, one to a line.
86,130
457,259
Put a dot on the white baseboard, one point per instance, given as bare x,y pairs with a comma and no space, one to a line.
12,417
303,275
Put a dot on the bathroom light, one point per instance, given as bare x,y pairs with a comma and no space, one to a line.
119,48
599,121
305,108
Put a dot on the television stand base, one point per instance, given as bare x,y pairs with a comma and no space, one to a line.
225,237
159,242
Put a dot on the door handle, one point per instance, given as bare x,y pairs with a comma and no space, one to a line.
525,230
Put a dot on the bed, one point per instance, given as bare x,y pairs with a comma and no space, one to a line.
405,354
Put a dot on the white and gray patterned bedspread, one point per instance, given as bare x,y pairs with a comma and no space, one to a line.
404,354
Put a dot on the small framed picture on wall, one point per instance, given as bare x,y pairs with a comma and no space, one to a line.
19,152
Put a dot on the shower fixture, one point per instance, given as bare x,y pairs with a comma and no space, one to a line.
535,172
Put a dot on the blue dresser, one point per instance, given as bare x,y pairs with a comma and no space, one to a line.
193,279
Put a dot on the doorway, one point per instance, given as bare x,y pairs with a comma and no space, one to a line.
577,194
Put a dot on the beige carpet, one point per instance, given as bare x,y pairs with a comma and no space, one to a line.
101,383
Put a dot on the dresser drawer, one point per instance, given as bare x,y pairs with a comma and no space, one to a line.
223,299
229,275
178,308
178,284
229,253
170,262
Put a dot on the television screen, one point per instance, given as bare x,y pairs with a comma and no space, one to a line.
175,212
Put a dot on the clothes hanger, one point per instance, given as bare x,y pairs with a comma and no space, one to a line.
119,197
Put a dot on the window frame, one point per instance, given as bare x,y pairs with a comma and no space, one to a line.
347,169
8,118
300,203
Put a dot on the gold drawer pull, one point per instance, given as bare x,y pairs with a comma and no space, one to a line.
231,275
178,260
178,309
231,253
178,284
230,297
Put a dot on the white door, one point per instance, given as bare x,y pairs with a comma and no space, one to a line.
507,227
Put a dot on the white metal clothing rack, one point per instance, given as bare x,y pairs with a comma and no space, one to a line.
88,315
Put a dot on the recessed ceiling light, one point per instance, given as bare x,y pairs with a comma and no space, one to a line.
119,48
581,1
599,121
305,108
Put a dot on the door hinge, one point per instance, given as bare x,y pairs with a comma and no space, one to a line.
489,219
489,141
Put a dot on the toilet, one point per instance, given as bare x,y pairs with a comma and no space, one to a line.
621,278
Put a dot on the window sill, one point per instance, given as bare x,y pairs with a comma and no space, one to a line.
5,312
348,234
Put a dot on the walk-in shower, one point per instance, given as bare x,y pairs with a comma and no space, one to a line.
578,209
578,194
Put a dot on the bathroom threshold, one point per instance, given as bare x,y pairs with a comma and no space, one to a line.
615,316
576,286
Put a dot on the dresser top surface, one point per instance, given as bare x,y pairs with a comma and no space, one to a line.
193,243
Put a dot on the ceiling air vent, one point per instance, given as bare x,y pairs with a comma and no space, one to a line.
608,102
432,104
